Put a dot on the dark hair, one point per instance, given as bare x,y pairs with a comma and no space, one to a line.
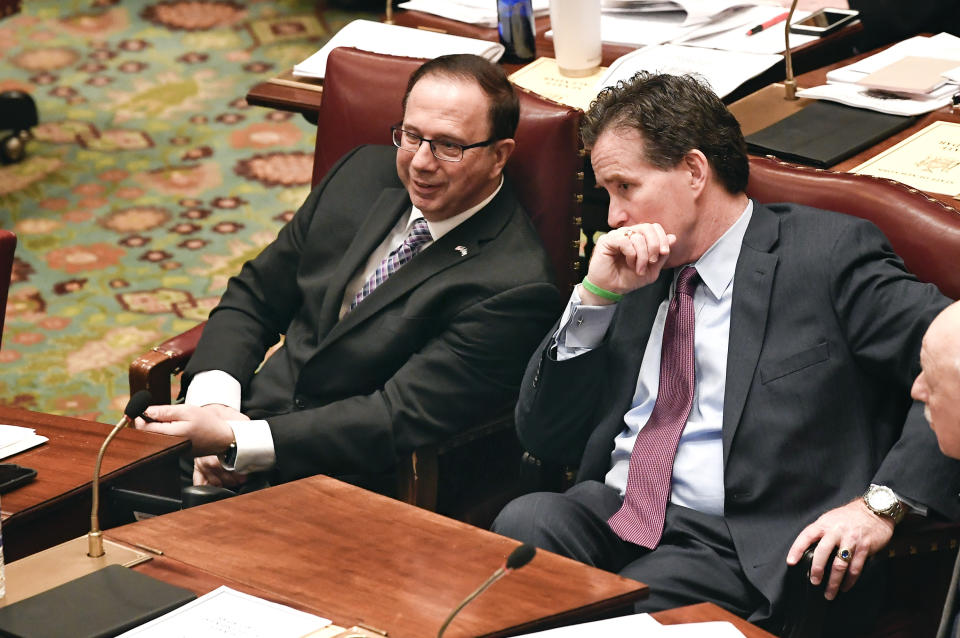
675,114
504,104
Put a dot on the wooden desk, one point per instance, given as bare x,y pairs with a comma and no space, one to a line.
55,507
304,96
357,557
353,556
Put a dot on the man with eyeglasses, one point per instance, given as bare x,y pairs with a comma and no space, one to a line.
410,288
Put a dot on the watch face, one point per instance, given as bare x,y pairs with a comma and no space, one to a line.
882,499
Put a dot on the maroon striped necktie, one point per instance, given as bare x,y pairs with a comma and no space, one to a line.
640,518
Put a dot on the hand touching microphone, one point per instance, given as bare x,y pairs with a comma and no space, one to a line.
517,559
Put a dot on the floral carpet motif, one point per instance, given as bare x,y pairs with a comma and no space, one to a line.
149,181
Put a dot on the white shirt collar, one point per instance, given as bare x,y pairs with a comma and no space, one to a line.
444,226
716,267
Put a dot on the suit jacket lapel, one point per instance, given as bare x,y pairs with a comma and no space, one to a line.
753,283
378,222
458,246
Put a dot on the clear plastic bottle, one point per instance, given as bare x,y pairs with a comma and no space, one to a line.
517,34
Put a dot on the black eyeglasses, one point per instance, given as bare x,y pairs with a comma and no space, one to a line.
445,151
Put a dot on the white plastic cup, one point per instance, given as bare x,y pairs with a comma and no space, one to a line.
576,36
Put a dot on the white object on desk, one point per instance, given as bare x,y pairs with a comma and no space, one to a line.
576,36
395,40
724,70
694,11
842,84
730,34
15,439
640,625
227,613
482,13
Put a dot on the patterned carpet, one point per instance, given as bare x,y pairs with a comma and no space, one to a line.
149,182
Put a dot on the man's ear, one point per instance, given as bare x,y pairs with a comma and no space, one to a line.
502,149
697,165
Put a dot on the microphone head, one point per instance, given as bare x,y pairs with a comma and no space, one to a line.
137,404
521,556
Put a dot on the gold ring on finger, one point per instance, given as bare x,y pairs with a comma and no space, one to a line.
845,555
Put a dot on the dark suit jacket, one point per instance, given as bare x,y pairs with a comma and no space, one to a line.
824,343
438,347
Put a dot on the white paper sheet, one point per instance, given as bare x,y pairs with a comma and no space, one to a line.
724,70
395,40
227,613
621,627
731,34
15,439
636,625
482,13
864,98
694,11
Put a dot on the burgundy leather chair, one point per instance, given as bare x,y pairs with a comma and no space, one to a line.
924,231
8,244
926,234
361,101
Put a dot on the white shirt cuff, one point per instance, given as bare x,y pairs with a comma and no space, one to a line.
582,328
214,386
255,451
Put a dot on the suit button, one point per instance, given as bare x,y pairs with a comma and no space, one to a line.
299,402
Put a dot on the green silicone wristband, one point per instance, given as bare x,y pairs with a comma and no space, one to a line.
600,292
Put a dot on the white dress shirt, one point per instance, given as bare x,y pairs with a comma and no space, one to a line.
697,480
255,450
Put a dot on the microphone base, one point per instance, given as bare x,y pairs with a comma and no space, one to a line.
60,564
765,107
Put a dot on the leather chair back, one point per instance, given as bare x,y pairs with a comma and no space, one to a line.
923,231
361,101
8,243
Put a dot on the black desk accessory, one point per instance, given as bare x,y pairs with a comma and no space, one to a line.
825,133
102,604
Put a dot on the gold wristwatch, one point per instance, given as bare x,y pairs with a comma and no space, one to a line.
882,501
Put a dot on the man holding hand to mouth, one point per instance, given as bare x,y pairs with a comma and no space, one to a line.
731,378
410,288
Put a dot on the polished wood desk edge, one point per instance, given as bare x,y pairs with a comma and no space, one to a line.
160,446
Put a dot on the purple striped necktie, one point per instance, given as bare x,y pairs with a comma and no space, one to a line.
418,236
640,518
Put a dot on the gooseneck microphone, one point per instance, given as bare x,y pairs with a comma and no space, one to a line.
517,559
135,407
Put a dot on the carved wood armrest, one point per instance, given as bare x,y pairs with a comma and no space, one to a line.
153,370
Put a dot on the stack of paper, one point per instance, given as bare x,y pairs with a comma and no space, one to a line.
14,439
482,13
915,76
642,22
395,40
723,70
